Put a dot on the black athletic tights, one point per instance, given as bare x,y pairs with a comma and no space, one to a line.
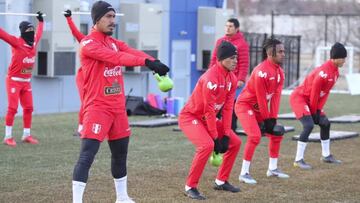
308,124
89,148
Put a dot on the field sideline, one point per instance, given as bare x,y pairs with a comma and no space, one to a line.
159,160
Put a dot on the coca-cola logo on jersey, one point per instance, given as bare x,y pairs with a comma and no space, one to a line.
29,60
111,72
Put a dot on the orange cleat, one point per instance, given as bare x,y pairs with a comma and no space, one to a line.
10,142
30,139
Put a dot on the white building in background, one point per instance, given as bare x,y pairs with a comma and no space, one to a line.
54,88
56,91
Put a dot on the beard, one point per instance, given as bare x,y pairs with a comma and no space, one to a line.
109,33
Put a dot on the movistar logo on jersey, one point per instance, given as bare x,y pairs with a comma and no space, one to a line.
211,86
262,74
323,74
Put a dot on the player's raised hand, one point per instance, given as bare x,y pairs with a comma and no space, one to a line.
40,16
67,13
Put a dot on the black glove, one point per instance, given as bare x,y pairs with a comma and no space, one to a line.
157,67
269,125
224,144
67,13
278,130
40,16
316,117
217,146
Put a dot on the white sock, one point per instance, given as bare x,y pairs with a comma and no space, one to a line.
121,188
78,191
245,167
80,127
187,188
8,132
273,163
26,132
219,182
301,146
325,145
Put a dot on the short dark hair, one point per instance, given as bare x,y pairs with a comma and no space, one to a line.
234,21
270,43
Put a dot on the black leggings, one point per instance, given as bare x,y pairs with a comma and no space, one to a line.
119,149
308,125
89,148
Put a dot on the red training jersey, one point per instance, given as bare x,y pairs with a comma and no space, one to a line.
264,87
317,85
214,90
101,59
23,55
242,47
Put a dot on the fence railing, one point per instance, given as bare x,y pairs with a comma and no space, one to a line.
291,64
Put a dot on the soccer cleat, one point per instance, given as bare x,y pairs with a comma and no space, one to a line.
226,187
125,200
30,139
302,164
276,173
10,142
330,159
193,193
247,179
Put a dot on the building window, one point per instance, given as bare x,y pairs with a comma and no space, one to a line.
84,28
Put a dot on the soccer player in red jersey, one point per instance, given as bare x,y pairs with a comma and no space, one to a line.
214,91
104,109
307,102
79,76
235,37
18,86
258,105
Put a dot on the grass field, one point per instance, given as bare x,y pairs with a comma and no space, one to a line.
159,160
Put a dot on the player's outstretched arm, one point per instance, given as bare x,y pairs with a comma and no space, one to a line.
74,30
95,50
10,39
40,28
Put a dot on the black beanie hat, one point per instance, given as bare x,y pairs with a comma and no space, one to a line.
99,9
24,25
338,51
225,50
